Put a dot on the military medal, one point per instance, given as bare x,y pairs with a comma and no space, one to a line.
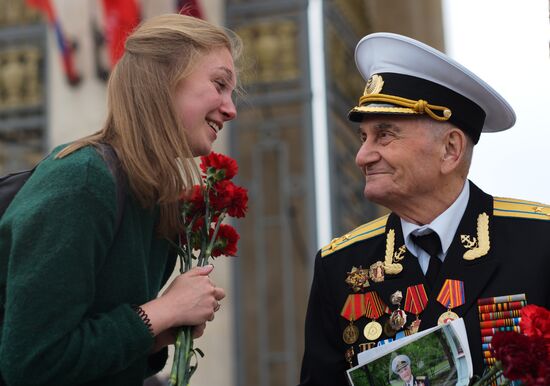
447,317
358,278
398,318
353,309
376,272
349,356
374,308
351,333
450,296
415,302
372,330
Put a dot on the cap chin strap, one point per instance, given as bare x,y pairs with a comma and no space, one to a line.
419,107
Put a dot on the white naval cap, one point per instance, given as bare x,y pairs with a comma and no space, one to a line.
399,362
407,77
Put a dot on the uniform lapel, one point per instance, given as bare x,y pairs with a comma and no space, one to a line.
411,273
473,273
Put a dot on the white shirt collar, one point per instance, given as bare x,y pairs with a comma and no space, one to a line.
445,225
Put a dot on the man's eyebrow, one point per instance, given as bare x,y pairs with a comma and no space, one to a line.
385,125
381,126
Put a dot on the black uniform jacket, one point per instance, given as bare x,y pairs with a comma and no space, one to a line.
517,261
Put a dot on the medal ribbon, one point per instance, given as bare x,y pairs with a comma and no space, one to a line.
415,299
451,294
374,306
354,307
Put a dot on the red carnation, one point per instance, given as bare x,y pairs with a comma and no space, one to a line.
540,379
228,196
198,224
239,203
535,321
219,162
194,202
520,355
221,195
226,241
203,208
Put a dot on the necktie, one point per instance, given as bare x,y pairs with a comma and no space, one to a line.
432,245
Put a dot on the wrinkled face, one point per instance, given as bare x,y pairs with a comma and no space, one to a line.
405,373
203,99
400,158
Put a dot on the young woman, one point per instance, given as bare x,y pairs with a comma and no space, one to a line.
79,297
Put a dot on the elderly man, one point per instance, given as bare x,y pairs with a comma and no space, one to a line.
445,244
401,366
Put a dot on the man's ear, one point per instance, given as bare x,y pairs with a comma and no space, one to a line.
453,151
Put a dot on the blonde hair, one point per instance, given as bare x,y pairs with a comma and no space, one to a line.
142,124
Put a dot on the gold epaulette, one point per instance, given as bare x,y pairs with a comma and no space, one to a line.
363,232
510,207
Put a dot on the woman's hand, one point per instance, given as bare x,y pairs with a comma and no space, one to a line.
190,300
168,337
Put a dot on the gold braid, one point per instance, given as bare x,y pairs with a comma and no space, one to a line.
420,106
391,268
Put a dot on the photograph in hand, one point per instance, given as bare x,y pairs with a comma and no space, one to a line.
435,358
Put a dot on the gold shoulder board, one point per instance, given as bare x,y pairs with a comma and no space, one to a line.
510,207
363,232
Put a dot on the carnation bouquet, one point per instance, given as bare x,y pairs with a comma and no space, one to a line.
203,210
523,358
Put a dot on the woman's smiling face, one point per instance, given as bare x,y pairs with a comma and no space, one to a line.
204,101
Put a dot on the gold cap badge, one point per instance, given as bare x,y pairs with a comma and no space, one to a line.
374,85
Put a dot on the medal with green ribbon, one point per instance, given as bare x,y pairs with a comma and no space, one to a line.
353,309
450,296
415,302
374,308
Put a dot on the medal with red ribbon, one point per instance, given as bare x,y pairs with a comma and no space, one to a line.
374,308
415,302
450,296
353,309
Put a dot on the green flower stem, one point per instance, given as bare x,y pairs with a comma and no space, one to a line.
175,365
185,357
206,227
189,258
181,372
490,376
208,252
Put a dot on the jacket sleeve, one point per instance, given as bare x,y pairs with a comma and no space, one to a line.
58,243
323,362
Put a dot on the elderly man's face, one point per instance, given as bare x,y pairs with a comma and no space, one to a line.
405,373
400,158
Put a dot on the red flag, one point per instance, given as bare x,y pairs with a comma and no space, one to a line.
120,18
65,47
44,6
190,7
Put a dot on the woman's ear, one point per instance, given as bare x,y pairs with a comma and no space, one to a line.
454,148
